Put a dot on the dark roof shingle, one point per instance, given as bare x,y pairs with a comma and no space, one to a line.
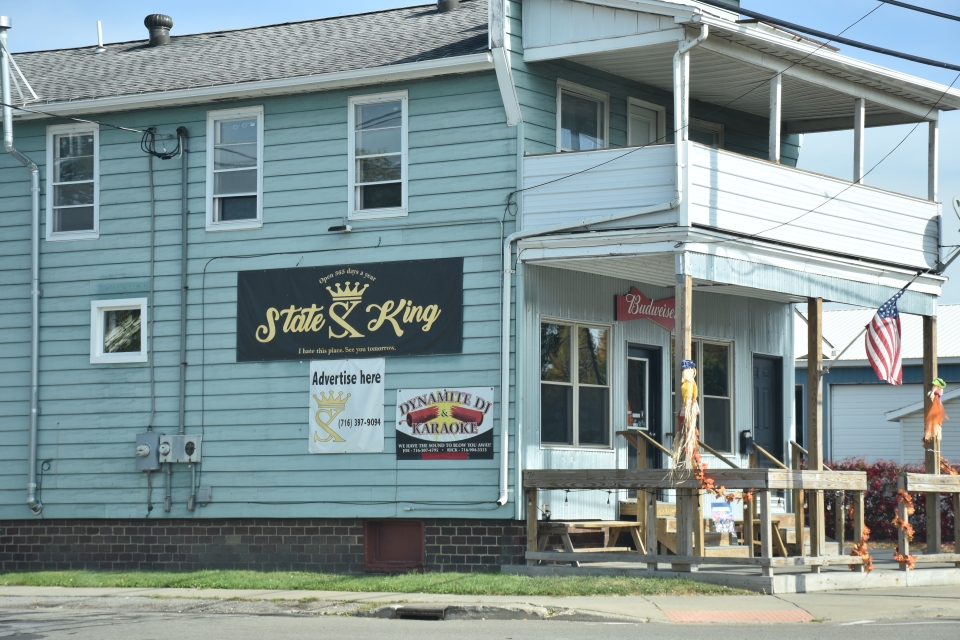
288,50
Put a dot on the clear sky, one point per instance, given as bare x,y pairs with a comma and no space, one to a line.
52,24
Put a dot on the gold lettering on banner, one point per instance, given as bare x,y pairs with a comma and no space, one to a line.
270,329
386,316
346,298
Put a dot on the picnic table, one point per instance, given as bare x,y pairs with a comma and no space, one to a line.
610,528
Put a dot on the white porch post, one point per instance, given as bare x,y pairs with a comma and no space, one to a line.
776,93
859,114
681,97
933,158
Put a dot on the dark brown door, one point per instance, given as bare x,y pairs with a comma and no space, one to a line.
768,407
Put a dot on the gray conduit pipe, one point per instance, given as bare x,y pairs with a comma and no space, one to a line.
506,311
35,506
182,133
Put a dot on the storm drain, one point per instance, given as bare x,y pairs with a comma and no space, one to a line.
420,613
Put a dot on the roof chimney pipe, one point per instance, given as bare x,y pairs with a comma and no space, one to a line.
159,26
447,5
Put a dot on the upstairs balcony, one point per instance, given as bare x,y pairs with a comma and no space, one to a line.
778,80
732,192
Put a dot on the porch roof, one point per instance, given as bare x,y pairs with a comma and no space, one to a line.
738,59
721,263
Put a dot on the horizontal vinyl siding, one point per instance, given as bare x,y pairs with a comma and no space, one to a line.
462,165
748,196
859,428
643,178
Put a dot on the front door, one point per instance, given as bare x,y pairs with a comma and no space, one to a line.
644,396
768,407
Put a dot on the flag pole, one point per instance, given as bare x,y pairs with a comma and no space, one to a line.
941,267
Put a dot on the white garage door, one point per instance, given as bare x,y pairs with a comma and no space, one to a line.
858,428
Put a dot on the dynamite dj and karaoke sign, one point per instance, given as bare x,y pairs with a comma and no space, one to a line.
445,424
635,306
351,311
346,406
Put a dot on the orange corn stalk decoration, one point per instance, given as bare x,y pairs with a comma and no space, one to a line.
935,414
905,560
707,484
945,467
861,550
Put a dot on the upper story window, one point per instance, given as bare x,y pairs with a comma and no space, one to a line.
574,385
118,331
235,169
646,123
73,182
708,133
583,116
378,156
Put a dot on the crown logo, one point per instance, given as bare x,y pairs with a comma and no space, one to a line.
328,408
347,293
331,402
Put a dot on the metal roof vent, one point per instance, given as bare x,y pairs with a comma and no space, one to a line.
447,5
159,26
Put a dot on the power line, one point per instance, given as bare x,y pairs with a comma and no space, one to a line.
914,7
823,34
102,124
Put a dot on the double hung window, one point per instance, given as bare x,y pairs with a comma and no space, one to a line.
73,180
583,115
118,331
708,133
645,123
378,156
714,382
574,385
235,168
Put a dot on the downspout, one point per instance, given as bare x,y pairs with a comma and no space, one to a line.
7,99
522,235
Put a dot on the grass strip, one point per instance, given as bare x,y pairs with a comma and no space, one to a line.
500,584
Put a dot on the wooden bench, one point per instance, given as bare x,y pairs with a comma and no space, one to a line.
610,528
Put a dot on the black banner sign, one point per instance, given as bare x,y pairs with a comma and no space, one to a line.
371,310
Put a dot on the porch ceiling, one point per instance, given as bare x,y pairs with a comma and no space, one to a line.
659,270
721,80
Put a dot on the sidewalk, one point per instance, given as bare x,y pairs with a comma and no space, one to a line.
835,607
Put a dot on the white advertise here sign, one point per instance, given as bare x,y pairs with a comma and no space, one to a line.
346,406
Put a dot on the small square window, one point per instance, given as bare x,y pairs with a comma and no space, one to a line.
73,198
706,133
118,331
377,169
235,169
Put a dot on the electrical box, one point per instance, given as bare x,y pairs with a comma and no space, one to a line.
180,449
204,495
148,445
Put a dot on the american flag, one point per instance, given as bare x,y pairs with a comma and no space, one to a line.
883,342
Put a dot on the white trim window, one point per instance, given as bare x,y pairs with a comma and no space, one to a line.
377,168
583,117
646,123
574,385
73,182
118,331
714,360
235,169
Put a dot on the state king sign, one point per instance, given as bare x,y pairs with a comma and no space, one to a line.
636,306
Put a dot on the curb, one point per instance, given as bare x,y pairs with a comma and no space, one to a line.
489,612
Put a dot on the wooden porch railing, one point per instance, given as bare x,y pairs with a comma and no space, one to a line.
648,481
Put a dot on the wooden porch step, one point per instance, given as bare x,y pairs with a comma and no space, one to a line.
726,551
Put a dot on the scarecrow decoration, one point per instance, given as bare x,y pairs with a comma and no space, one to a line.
935,415
685,446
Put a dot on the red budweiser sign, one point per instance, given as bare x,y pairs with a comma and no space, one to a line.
635,306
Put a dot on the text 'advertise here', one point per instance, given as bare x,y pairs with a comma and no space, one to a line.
369,310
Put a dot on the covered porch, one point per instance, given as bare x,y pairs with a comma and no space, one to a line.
726,290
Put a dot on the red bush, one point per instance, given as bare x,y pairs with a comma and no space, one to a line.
880,507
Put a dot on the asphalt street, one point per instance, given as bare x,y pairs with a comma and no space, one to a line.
56,624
